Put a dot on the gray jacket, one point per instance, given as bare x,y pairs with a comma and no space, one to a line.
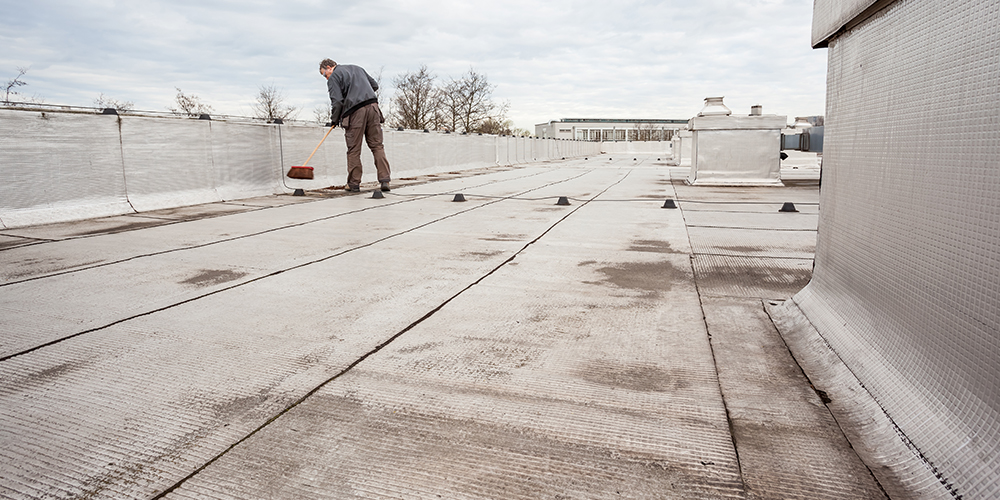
350,88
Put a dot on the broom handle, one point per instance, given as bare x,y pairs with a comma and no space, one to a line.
318,145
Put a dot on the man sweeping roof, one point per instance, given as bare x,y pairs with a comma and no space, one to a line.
355,108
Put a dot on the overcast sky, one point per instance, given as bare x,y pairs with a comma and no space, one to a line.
550,59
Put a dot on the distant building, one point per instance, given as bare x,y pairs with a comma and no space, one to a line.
596,129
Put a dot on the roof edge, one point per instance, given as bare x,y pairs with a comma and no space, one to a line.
833,17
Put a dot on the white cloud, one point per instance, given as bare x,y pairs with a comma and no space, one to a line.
550,60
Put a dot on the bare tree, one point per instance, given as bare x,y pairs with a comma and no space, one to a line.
415,101
323,114
500,126
386,106
651,132
378,81
190,105
498,115
270,105
13,84
105,102
491,126
469,101
450,105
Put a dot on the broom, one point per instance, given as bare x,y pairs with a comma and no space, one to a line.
302,171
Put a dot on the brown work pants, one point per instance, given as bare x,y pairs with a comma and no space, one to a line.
365,122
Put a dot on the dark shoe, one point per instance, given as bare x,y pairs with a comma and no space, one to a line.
385,186
352,189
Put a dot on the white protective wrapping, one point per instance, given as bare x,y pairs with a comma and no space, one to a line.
906,287
736,150
638,147
244,156
503,150
675,150
541,149
59,166
684,151
168,162
329,162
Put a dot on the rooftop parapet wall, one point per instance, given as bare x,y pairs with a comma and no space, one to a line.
905,286
60,166
639,147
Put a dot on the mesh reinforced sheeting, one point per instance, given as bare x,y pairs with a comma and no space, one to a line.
59,166
906,287
329,162
158,173
243,158
638,147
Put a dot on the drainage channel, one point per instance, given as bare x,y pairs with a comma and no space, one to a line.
275,273
395,336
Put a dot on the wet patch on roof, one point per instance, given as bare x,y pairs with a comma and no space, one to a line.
651,278
636,377
11,242
757,277
743,249
121,228
26,381
420,347
481,255
505,237
653,246
210,277
36,266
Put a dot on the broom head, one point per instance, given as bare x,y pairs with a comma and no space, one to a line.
300,172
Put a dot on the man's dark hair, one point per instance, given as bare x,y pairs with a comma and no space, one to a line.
326,63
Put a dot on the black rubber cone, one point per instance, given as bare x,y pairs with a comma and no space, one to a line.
377,194
563,201
459,197
788,207
669,203
299,192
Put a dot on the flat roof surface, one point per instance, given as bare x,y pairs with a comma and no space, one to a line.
342,346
